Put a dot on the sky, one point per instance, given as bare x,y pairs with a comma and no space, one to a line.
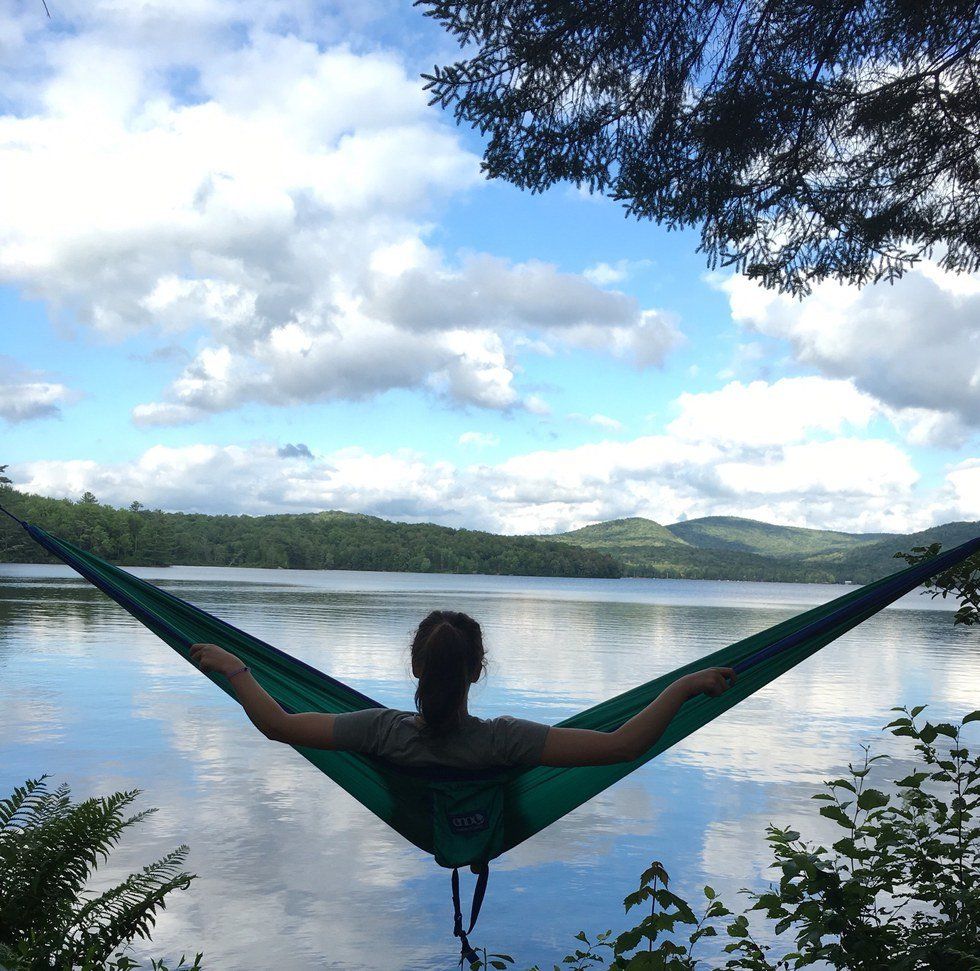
246,268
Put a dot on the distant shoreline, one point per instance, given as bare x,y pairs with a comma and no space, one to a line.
710,548
516,576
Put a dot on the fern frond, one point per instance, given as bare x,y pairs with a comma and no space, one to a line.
29,805
129,909
10,806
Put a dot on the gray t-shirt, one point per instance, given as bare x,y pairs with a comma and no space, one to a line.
478,743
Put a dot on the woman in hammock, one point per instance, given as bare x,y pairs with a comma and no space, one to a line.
448,657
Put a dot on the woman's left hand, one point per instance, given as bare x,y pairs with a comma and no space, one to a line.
210,657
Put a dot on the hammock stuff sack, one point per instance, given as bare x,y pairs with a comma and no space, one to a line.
469,817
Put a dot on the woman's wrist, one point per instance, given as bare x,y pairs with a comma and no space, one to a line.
691,684
227,663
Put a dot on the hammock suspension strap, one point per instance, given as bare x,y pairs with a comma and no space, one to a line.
467,955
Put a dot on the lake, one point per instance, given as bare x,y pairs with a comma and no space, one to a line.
294,874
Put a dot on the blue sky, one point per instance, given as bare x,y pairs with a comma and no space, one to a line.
236,227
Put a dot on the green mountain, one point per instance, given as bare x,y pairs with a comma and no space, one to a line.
752,536
872,560
635,531
645,548
732,548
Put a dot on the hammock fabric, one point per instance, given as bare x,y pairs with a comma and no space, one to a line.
472,817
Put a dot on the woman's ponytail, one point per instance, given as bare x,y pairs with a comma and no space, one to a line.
447,656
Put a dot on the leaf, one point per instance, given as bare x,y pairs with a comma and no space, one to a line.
872,799
628,940
835,813
631,900
655,871
972,717
651,960
738,927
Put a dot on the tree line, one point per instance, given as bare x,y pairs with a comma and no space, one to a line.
138,536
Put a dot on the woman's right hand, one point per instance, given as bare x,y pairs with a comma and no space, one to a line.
711,682
210,657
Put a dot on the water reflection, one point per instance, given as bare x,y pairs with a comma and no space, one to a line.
295,874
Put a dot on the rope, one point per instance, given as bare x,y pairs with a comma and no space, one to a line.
7,512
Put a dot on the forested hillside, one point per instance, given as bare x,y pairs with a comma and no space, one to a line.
312,541
766,539
732,548
872,560
647,549
713,548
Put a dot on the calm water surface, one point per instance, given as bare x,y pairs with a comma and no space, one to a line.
294,874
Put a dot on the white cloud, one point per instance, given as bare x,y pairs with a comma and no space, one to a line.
264,198
959,497
794,409
536,405
928,426
912,345
600,421
486,292
603,274
490,292
645,343
162,413
964,480
842,467
746,356
479,439
761,414
26,395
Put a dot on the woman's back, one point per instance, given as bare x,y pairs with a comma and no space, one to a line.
475,743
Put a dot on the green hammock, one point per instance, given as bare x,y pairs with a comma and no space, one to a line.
472,817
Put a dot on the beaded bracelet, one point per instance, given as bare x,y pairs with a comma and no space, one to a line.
244,667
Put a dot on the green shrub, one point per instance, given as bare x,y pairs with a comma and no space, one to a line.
50,847
899,888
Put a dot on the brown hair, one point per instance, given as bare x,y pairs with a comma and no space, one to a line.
447,656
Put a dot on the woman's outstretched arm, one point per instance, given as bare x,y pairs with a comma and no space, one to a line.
581,746
312,729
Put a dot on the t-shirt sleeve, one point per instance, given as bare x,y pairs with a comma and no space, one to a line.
361,731
518,742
